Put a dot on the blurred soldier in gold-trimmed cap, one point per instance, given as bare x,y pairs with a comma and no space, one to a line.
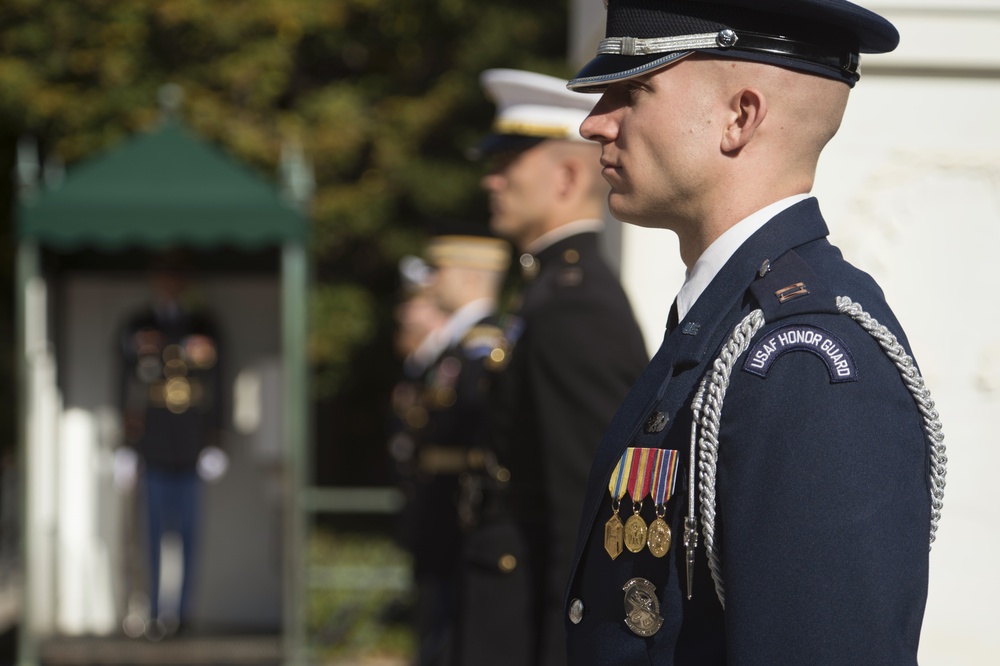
446,419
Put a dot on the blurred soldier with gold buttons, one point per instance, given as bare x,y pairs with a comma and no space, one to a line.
172,409
571,351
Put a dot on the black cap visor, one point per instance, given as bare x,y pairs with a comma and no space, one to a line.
503,143
606,69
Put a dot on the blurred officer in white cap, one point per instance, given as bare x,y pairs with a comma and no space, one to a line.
571,351
768,491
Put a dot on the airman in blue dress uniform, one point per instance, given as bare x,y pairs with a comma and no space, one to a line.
767,492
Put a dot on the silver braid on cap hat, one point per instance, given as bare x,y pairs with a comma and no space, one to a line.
707,414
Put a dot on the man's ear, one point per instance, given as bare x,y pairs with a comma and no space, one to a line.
569,172
749,108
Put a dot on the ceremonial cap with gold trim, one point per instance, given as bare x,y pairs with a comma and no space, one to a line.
822,37
468,251
531,108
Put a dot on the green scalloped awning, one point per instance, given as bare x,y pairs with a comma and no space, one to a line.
157,190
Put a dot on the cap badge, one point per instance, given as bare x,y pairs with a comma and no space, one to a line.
726,38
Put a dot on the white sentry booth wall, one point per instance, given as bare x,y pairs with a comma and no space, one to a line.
910,187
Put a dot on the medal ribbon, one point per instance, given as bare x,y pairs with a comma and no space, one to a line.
664,475
616,486
640,474
643,472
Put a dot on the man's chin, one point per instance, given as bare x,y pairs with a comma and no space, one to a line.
500,227
495,223
620,209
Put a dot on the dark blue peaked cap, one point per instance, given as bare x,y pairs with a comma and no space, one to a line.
823,37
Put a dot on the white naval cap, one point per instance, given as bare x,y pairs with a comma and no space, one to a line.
531,107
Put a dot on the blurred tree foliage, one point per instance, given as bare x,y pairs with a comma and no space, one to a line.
382,94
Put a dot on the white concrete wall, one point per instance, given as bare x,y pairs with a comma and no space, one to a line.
911,189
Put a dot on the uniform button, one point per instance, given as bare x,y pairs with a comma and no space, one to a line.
507,563
576,611
529,266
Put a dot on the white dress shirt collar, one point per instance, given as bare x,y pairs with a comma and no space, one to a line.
722,249
465,318
451,332
565,231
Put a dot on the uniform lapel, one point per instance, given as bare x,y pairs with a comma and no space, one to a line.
668,379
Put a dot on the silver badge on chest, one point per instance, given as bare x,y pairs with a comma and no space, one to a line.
642,608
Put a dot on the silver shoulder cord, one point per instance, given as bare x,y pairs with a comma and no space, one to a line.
707,409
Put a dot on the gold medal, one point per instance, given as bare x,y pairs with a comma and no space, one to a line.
659,537
613,529
613,536
635,533
664,478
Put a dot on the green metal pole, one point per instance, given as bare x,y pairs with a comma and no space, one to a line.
28,270
294,315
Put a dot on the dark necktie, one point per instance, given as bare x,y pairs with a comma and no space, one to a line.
672,317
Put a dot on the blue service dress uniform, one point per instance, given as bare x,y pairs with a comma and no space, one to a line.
823,502
574,352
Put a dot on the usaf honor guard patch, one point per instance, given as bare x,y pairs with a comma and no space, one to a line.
801,337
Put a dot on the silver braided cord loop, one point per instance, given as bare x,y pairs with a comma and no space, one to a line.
707,410
708,416
921,395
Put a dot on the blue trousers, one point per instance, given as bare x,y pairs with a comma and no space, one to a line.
172,500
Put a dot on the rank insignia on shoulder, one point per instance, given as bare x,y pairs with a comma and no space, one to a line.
792,291
802,337
788,286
